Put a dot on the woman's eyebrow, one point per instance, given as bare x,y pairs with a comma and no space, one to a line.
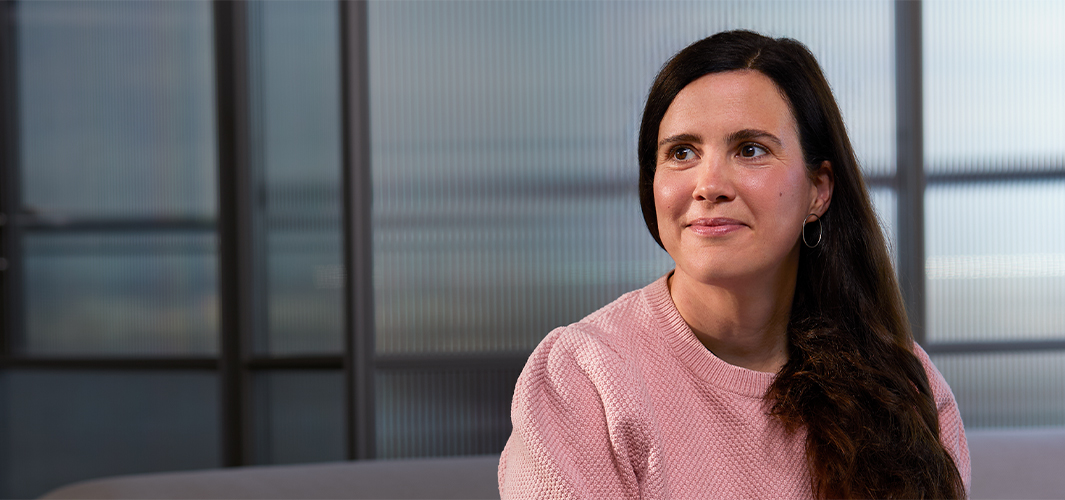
680,138
748,134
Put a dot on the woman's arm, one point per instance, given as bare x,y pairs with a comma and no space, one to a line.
562,445
951,428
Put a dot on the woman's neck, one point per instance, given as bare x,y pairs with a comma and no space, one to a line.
744,325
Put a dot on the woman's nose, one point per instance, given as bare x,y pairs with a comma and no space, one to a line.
714,182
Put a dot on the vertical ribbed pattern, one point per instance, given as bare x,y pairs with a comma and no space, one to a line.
147,294
504,163
116,123
995,251
296,152
992,87
1007,389
996,261
504,171
437,413
116,108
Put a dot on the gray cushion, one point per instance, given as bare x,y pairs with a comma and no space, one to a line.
1006,464
452,477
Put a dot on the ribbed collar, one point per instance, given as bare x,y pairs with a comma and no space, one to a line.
694,354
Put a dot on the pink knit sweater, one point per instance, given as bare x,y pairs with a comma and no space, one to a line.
627,403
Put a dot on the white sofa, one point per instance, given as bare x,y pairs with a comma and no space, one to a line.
1007,463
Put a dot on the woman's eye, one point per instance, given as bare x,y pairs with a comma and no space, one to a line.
682,153
752,151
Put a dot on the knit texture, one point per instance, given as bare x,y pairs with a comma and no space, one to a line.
627,403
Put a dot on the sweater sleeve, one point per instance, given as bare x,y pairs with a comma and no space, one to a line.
951,429
561,445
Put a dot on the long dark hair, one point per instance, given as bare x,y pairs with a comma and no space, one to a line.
852,380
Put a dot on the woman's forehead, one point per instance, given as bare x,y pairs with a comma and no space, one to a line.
719,104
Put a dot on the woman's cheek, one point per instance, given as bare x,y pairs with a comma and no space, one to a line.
666,192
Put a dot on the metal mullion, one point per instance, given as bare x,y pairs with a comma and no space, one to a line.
444,362
327,362
1057,173
117,225
877,181
910,176
358,243
10,275
997,347
10,232
112,363
234,226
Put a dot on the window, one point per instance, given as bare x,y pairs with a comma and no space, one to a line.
995,199
109,197
281,232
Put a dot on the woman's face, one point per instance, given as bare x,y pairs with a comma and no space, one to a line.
731,189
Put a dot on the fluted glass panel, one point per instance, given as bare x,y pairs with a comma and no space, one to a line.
295,133
126,294
504,163
118,168
995,203
443,412
298,416
64,426
1025,389
992,86
995,261
993,108
116,109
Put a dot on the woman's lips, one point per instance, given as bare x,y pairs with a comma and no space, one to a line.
718,226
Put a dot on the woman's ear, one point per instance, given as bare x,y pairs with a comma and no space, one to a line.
823,181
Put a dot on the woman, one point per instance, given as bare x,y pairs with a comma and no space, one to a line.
776,359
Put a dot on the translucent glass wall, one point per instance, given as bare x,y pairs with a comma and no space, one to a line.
995,203
996,260
117,146
993,118
443,412
504,176
1013,389
504,162
120,293
295,127
297,416
992,86
106,129
114,227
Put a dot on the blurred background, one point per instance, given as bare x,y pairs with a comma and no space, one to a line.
280,232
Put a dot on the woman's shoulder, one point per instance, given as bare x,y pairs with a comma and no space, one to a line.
951,427
579,415
614,334
618,326
599,333
940,389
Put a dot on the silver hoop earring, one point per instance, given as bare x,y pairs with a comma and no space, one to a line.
820,231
